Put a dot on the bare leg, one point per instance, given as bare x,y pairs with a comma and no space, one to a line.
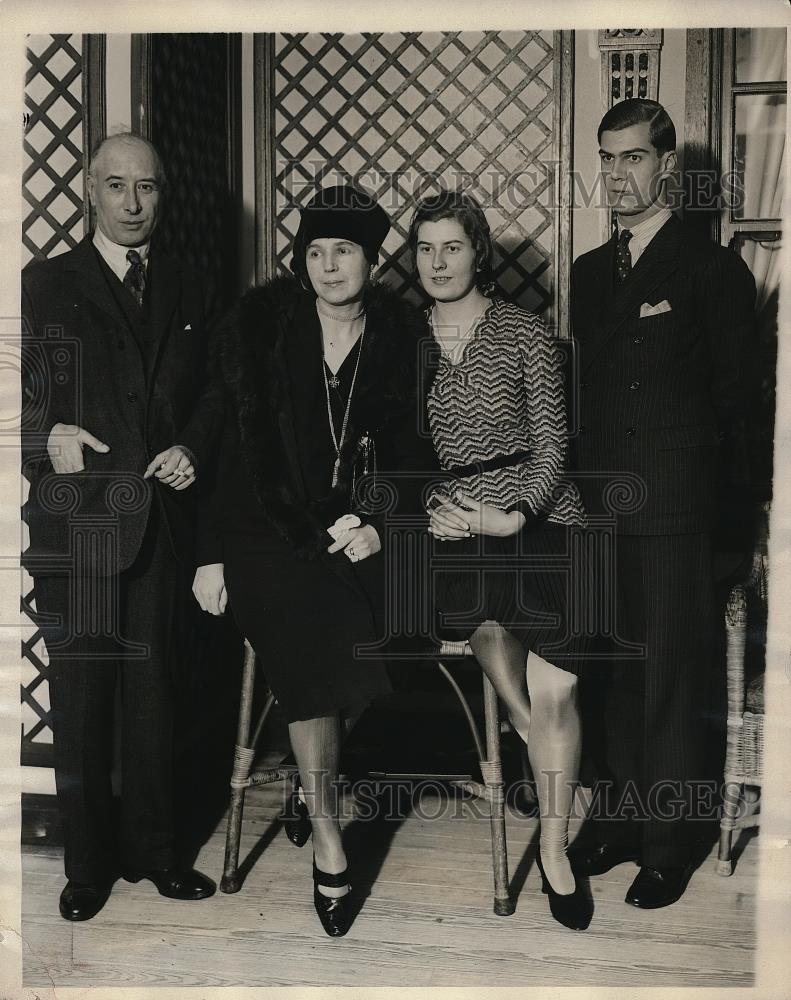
502,659
554,752
316,744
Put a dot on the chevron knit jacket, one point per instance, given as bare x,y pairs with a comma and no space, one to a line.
505,395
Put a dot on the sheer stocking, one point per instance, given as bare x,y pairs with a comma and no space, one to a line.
541,702
317,745
554,753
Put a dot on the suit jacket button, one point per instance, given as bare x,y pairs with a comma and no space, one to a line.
132,397
638,340
581,429
635,384
630,431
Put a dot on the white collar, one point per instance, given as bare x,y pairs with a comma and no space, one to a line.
645,231
115,255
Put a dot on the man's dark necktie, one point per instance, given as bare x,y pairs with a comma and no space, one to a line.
623,259
135,277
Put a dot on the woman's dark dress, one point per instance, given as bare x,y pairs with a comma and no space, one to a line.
306,618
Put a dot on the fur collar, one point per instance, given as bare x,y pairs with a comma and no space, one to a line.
255,372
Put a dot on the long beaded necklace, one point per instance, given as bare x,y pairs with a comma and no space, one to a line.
335,382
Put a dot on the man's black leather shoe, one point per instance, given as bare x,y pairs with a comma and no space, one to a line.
655,887
177,883
81,901
596,859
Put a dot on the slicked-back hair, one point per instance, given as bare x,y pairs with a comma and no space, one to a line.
127,137
463,208
635,111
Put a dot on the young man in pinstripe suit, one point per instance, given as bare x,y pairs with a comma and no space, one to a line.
662,316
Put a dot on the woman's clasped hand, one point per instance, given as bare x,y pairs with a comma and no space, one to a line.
356,540
469,517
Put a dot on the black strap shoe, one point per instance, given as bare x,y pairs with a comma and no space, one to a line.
573,910
334,911
296,819
83,900
176,883
596,859
655,887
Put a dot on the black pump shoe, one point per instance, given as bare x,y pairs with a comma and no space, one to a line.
296,819
334,911
573,910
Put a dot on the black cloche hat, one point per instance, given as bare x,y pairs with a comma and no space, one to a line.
344,212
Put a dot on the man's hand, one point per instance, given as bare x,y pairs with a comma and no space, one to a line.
471,517
173,467
65,444
209,588
357,543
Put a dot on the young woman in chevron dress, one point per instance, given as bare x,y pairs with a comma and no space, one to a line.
497,418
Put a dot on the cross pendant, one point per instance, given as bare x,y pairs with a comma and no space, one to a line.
334,381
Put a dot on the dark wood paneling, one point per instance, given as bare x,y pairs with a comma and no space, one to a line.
41,820
702,130
94,107
264,86
564,132
186,100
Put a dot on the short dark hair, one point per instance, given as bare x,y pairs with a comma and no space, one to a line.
635,111
468,213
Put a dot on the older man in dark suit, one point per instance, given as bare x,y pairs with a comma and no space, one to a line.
118,421
661,316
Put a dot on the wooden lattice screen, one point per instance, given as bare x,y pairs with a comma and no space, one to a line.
400,114
52,180
52,222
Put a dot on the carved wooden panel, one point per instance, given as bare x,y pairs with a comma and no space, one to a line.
629,63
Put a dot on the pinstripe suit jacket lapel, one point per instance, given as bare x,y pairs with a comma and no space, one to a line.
661,257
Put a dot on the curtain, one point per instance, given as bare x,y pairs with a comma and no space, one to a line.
760,132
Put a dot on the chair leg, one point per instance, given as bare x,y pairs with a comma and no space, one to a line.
736,637
492,772
242,762
730,810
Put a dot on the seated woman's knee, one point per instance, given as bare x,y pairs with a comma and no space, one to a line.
554,692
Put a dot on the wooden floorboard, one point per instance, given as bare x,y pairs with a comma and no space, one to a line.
426,918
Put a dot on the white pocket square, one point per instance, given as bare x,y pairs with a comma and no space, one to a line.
646,309
188,327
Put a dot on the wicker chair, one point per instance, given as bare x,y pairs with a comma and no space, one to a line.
246,775
745,722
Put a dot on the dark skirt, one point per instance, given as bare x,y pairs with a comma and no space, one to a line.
309,621
533,583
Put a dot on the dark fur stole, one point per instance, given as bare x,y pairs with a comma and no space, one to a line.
255,373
